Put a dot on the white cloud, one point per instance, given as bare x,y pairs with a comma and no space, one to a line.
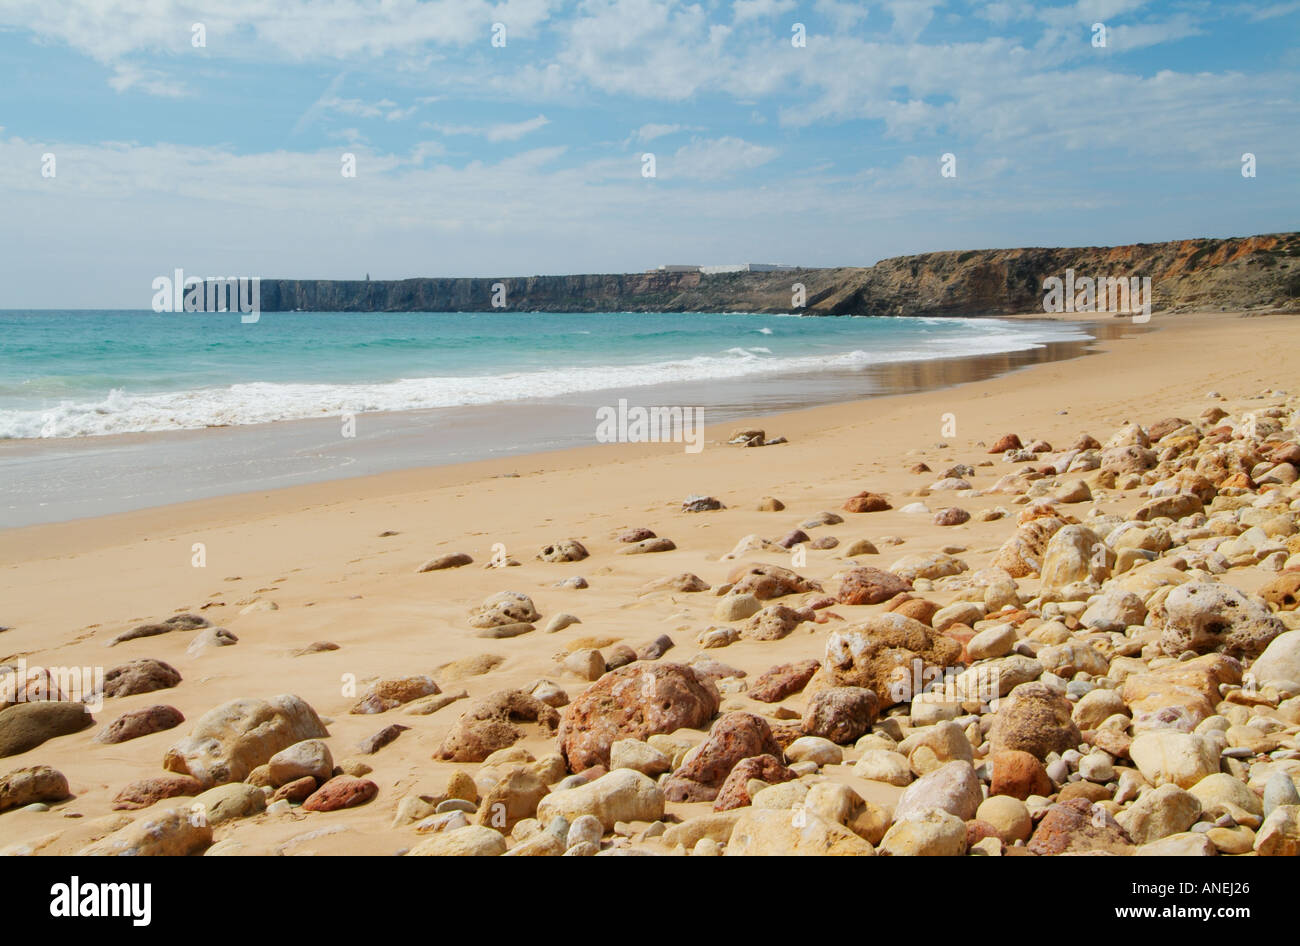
151,81
651,131
744,10
144,210
1030,106
717,158
1126,38
911,17
355,107
358,108
671,51
1258,14
352,136
301,30
513,131
505,131
424,150
843,16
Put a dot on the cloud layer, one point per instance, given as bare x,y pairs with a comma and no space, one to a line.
525,155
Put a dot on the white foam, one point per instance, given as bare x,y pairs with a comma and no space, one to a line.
264,402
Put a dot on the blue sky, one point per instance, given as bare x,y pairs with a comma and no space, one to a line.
482,160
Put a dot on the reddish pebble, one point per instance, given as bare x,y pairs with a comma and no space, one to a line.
344,791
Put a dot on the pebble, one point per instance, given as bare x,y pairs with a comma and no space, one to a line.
1141,702
1279,790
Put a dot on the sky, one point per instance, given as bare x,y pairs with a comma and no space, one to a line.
507,139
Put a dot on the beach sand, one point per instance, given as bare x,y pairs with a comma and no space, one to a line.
316,551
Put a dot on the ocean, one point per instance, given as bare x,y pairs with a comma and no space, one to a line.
74,374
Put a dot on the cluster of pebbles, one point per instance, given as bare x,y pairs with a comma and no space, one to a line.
1120,675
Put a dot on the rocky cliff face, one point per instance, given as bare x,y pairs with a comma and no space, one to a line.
1259,272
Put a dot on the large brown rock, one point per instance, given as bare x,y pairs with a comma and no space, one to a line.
772,623
634,702
1036,719
1130,459
32,784
1185,481
735,790
768,581
1019,774
1288,452
489,725
866,502
565,550
389,694
343,791
1078,826
140,676
1005,443
1180,695
951,516
870,586
177,622
889,654
231,740
1221,465
1172,507
297,791
502,608
150,791
1210,616
25,726
918,609
445,561
734,737
141,722
931,565
1165,426
783,680
841,714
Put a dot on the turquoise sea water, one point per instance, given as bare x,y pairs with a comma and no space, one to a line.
87,373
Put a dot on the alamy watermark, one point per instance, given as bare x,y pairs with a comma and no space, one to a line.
181,293
76,899
1116,294
923,683
623,424
36,684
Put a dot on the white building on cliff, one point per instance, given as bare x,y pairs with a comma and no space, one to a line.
727,268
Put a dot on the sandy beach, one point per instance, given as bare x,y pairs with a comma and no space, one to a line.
337,562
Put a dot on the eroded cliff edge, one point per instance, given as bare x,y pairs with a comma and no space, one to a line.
1258,272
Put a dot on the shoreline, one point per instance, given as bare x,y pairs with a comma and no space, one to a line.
67,479
820,419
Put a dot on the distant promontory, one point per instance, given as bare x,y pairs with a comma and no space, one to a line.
1242,273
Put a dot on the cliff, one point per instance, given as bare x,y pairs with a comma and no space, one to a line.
1258,272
